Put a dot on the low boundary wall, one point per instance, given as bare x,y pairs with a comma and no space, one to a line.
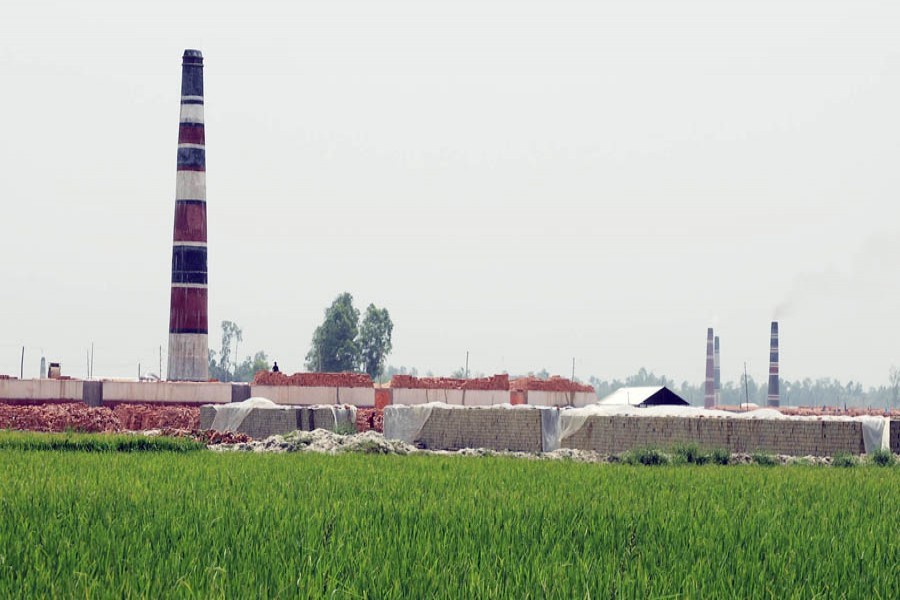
41,390
308,396
166,392
576,399
614,434
414,396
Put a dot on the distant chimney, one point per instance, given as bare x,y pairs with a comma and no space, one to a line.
717,381
773,399
709,397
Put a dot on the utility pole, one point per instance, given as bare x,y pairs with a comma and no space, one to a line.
22,365
746,386
466,376
160,362
573,368
92,360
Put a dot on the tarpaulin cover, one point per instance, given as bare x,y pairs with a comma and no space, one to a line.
229,417
875,429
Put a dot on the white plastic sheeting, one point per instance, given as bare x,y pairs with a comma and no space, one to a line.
343,416
229,417
550,429
875,429
404,423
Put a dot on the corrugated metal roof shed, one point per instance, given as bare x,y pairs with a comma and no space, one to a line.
644,396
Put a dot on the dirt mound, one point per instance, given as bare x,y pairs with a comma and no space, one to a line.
323,442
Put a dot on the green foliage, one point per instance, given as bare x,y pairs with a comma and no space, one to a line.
94,442
345,429
374,341
334,347
844,459
340,344
764,459
882,458
720,456
211,525
690,454
224,367
645,456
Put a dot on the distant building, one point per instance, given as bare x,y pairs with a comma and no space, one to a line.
644,396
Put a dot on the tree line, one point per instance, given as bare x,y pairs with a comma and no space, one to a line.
342,343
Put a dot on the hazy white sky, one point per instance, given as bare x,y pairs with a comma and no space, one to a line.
529,181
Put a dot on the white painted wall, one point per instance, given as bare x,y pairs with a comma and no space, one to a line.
40,389
166,391
411,397
307,396
577,399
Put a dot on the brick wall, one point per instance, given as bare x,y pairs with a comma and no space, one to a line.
496,429
609,435
895,436
260,423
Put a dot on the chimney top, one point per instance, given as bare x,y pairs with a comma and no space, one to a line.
192,57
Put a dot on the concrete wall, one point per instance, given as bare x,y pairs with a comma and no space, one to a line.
610,435
297,395
576,399
166,391
496,429
31,390
456,397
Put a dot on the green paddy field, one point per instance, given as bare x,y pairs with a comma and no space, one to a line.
185,523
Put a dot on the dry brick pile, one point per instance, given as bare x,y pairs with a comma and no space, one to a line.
80,417
345,380
493,383
554,384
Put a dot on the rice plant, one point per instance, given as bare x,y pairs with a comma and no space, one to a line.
206,524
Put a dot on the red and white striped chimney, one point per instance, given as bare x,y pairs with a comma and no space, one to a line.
774,398
188,325
709,397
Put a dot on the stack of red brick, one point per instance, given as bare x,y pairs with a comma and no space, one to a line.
554,384
369,419
344,380
80,417
495,382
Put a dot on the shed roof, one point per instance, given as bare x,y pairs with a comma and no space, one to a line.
644,396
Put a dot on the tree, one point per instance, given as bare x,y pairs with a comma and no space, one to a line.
226,368
894,378
231,334
334,347
251,366
374,341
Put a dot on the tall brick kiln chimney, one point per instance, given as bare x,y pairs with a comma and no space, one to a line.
188,326
773,398
709,397
717,381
